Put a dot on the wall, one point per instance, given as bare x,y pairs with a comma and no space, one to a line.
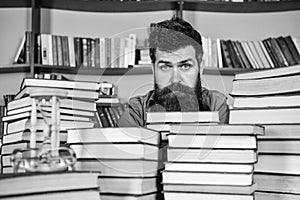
222,25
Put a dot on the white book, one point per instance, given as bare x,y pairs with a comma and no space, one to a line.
206,196
212,141
45,49
208,167
71,51
178,117
114,135
207,178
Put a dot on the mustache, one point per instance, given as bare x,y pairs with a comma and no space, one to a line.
174,88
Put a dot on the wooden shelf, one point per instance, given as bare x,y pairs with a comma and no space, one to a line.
15,3
109,5
155,5
241,7
15,68
137,70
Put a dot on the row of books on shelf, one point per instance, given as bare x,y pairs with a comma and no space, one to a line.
272,52
123,52
62,50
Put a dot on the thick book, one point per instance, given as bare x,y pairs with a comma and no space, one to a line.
267,86
70,93
128,185
265,116
39,115
47,108
64,103
274,163
24,124
216,189
212,156
207,178
279,146
120,167
281,131
116,151
208,167
114,135
150,196
267,101
87,194
25,136
277,72
277,183
204,195
212,141
212,129
179,117
275,196
68,84
34,183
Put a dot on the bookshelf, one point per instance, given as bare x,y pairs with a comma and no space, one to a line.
132,6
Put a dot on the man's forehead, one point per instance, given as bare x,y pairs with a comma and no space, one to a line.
183,53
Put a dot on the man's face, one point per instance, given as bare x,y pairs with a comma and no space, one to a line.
180,66
177,80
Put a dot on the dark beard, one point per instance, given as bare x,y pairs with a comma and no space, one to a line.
178,97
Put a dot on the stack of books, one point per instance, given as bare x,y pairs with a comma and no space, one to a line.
50,186
109,107
211,162
77,110
128,159
271,98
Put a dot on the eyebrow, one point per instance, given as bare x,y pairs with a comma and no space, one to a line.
181,62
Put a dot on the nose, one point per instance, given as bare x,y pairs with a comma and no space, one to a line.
175,75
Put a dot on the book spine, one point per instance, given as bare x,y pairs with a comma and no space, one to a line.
59,50
20,58
97,52
108,116
27,49
113,116
278,53
245,59
65,48
84,52
103,117
266,43
54,49
285,50
293,48
78,51
71,51
226,60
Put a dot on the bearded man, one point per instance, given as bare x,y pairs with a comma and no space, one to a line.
176,53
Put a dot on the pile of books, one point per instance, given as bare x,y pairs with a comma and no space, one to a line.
77,110
50,186
211,162
271,98
109,107
128,159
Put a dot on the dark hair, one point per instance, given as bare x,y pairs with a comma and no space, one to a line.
171,35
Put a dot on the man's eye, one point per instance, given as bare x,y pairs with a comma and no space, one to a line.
185,66
164,67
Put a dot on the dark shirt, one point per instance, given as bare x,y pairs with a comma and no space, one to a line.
135,113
